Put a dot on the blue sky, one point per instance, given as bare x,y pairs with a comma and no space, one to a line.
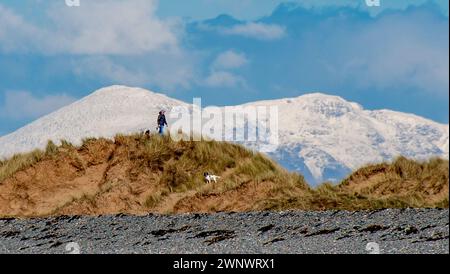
227,51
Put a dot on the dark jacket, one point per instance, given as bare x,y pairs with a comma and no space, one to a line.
162,120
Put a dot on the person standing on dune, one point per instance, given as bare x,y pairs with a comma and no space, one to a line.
162,122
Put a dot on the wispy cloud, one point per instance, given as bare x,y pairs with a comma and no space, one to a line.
221,70
23,105
16,34
254,30
105,67
391,52
224,79
253,9
117,41
96,27
167,71
230,60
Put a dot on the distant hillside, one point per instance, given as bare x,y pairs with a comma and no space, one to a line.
138,174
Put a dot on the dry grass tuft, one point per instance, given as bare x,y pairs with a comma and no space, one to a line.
19,162
138,174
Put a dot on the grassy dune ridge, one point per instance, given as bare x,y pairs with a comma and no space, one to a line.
138,174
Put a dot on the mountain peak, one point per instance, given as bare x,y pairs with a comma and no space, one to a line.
113,94
104,113
322,136
319,100
117,90
316,102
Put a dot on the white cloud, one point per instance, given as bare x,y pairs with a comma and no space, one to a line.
23,105
167,71
257,30
101,66
16,34
120,41
113,27
394,51
224,79
230,60
220,75
96,27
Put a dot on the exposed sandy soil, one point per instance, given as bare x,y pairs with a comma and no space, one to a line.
90,180
107,177
136,175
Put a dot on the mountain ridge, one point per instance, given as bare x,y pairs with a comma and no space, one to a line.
322,136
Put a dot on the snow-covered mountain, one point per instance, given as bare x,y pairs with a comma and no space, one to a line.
326,137
104,113
323,137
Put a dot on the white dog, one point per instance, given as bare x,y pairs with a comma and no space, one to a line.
209,178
